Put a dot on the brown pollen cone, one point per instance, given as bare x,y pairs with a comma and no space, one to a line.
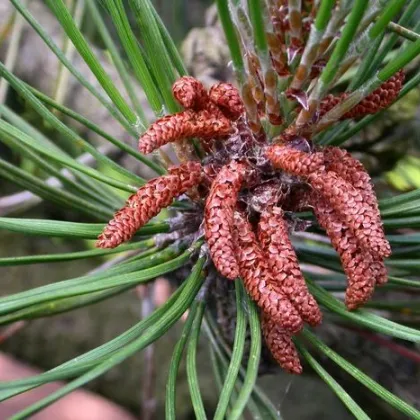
351,170
380,271
228,99
349,203
274,239
218,218
167,129
190,93
259,281
281,346
379,99
356,262
186,124
294,161
147,202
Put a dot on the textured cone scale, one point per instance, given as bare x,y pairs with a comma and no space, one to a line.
218,218
274,239
379,99
227,98
349,203
187,124
258,279
189,175
190,93
147,202
357,263
281,346
294,161
351,170
380,271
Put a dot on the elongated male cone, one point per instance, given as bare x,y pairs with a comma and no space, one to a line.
357,263
190,93
294,161
228,99
355,205
188,124
278,249
147,202
218,218
379,99
281,346
351,170
259,281
349,203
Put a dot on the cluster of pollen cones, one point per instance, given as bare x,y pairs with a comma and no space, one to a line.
250,241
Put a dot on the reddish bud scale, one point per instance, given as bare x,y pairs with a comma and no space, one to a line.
227,98
218,218
279,65
349,203
203,124
379,99
278,57
294,161
274,239
272,104
267,195
147,202
251,107
317,68
278,15
356,262
190,93
255,80
258,279
281,346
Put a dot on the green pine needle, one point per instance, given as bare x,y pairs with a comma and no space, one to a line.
353,407
192,375
373,386
237,354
